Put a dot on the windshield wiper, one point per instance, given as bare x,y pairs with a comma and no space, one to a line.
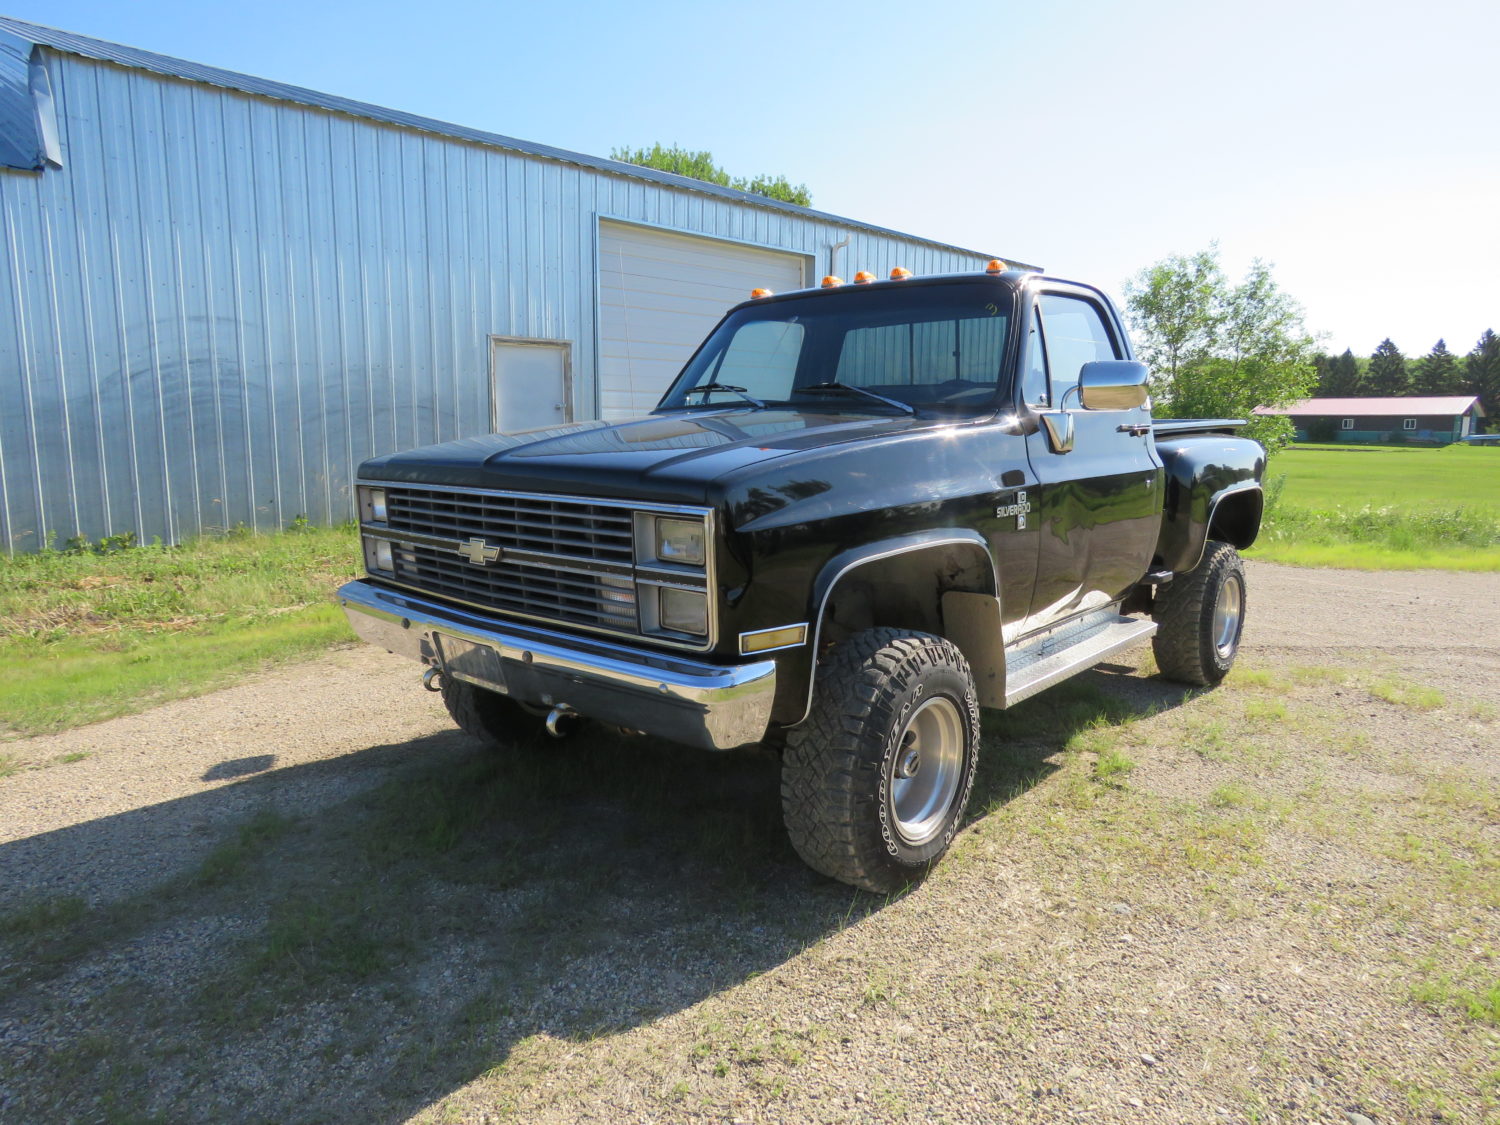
849,388
705,388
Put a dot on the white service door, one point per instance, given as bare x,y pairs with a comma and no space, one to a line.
529,385
659,294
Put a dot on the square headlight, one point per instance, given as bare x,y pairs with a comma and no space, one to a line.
372,504
680,541
684,611
379,555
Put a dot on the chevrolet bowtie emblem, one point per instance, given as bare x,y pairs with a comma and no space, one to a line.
478,552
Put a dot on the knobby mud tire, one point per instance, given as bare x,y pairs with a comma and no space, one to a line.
838,765
1187,645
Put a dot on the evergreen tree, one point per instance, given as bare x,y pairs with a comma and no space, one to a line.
1322,368
1438,373
1482,370
1343,376
1387,377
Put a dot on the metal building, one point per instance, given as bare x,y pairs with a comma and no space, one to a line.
219,294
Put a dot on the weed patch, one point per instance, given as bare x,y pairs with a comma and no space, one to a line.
251,841
1467,992
41,917
1112,764
1412,696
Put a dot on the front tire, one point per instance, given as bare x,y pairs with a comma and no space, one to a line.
497,721
875,782
1200,616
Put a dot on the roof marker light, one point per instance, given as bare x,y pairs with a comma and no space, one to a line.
995,266
757,294
830,281
863,277
900,273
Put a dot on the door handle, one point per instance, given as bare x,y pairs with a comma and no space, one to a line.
1134,429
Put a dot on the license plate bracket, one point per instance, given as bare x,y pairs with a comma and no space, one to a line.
471,661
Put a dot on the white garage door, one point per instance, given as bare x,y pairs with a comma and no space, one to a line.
659,294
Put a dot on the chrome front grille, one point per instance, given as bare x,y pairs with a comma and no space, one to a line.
566,560
570,597
567,528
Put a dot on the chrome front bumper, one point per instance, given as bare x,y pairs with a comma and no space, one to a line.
713,706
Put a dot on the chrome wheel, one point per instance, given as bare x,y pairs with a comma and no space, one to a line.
927,770
1227,613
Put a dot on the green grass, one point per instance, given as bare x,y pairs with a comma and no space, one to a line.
1454,476
86,636
1383,508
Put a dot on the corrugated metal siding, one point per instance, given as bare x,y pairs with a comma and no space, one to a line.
221,304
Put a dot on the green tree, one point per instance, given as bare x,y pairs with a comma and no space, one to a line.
701,166
1387,376
1322,371
1482,371
1438,373
1343,376
1217,349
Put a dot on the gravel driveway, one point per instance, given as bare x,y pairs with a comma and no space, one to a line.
308,898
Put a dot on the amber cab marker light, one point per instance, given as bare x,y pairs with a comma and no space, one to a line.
757,294
863,277
995,266
900,273
830,281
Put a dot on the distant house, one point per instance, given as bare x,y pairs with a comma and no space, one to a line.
1425,420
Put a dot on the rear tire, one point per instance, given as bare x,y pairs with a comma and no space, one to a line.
875,781
1200,616
497,721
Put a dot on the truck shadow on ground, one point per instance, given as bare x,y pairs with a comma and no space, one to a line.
360,958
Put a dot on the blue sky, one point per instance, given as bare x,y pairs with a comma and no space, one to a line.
1354,145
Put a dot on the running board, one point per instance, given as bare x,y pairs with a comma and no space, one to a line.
1037,663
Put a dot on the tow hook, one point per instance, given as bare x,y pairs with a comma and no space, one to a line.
562,721
432,679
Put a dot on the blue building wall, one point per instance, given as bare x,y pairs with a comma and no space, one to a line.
222,302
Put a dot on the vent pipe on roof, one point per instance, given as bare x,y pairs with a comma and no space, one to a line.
833,254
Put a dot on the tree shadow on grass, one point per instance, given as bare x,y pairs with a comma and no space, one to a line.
358,958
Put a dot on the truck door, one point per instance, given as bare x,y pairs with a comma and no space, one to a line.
1097,507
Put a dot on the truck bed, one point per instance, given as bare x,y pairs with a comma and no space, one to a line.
1177,427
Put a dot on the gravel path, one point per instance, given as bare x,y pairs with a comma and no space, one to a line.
354,709
1439,627
623,935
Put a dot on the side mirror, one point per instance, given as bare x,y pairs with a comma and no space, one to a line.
1113,384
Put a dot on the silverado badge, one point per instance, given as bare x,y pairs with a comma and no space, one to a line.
1017,509
478,552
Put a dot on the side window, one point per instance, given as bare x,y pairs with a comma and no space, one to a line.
1034,373
1075,334
762,358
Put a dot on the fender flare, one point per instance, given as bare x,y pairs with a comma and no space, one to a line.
1213,511
843,563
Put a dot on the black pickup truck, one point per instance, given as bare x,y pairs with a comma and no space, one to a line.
859,514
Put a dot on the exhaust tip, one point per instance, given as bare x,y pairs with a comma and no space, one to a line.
562,721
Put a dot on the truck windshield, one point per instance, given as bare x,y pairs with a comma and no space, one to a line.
932,347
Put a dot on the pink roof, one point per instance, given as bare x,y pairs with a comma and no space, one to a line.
1365,407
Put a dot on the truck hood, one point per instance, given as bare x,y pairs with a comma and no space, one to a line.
664,457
